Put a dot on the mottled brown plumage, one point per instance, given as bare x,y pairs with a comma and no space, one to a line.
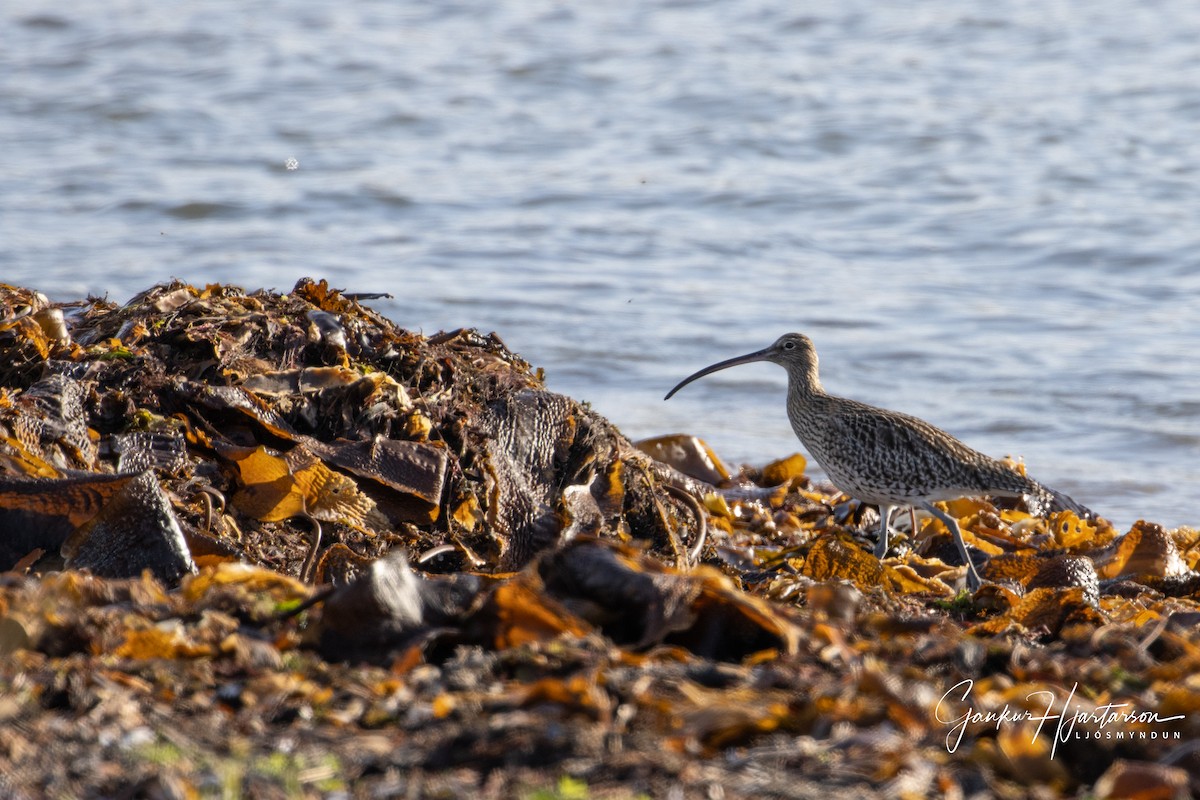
886,458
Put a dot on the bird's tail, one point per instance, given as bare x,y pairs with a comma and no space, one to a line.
1044,500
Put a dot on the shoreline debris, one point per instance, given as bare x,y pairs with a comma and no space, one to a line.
232,521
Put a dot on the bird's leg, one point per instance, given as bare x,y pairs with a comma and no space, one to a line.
973,580
885,514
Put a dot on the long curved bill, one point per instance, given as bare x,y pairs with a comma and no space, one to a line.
757,355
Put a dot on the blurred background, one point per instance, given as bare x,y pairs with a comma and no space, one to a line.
984,213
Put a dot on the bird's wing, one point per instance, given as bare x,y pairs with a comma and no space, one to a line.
895,451
895,447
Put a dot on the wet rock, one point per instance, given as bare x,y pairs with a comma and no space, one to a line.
135,530
379,610
639,602
388,607
1069,571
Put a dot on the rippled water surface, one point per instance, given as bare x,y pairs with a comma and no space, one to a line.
985,214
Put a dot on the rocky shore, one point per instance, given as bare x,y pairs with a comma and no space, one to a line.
274,545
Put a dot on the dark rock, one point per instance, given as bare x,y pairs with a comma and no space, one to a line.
135,529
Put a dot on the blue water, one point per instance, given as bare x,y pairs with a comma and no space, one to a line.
983,213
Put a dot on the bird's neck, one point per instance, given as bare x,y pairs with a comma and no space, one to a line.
804,383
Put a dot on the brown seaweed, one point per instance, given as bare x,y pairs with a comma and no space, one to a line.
509,594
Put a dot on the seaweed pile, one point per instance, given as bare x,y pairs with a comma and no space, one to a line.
274,545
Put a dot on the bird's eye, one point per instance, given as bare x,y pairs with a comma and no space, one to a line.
789,345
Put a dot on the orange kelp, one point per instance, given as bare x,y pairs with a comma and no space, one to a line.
277,544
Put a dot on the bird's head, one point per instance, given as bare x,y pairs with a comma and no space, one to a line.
792,351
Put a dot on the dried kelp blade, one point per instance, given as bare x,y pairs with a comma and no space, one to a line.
414,469
837,556
278,487
688,454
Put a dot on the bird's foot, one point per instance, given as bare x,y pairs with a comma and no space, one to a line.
974,582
